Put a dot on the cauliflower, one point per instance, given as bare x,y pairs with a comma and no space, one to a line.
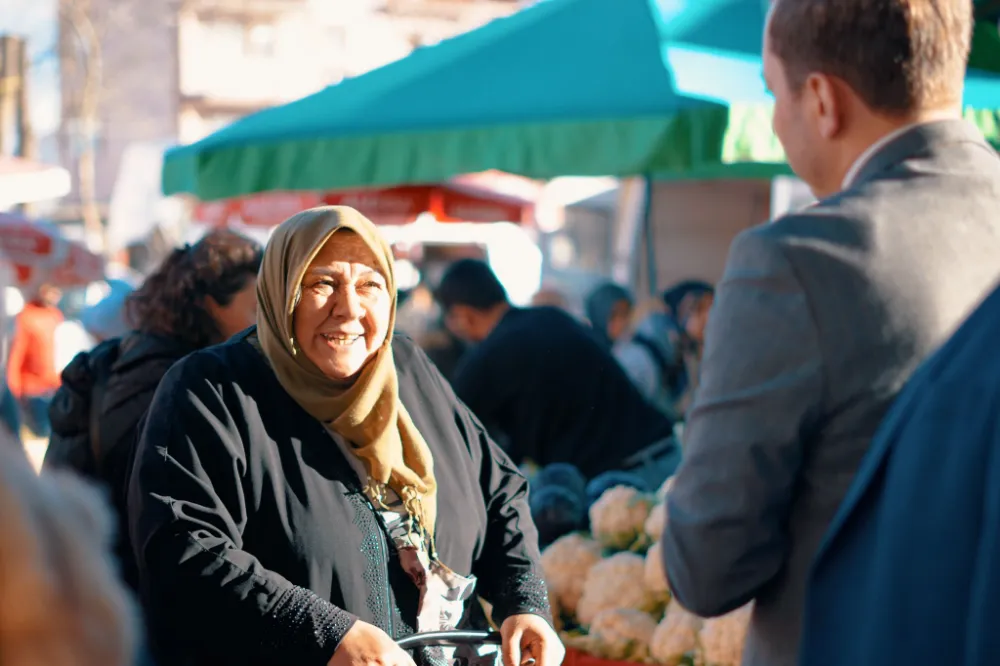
565,564
618,517
722,638
655,577
656,521
623,633
675,636
614,583
661,494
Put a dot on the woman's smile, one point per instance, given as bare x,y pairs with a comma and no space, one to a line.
339,340
342,317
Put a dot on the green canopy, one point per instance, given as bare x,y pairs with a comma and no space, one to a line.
725,38
565,87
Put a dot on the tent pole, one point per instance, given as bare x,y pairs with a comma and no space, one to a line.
649,235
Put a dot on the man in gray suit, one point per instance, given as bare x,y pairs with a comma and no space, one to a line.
822,316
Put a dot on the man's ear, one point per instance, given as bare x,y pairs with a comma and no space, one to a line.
826,102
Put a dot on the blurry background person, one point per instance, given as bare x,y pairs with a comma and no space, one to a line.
10,416
541,379
609,310
31,362
200,295
550,297
692,314
662,354
61,603
822,315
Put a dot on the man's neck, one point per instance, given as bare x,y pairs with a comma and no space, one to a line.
493,316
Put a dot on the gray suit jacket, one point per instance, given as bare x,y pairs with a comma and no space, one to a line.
818,321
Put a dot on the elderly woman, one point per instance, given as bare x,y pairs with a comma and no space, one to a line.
312,490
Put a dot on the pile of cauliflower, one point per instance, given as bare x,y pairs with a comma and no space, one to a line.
612,597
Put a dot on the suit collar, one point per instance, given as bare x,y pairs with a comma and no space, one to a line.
907,142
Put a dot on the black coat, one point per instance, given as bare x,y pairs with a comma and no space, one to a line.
130,370
254,541
546,383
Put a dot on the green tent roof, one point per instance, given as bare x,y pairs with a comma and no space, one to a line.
565,87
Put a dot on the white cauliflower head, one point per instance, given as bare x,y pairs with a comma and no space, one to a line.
655,577
722,638
656,522
623,633
675,636
565,564
614,583
618,517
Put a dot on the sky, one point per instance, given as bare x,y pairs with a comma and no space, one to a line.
36,20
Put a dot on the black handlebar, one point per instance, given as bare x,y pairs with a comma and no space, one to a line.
449,639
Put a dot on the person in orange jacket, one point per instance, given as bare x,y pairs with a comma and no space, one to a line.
31,372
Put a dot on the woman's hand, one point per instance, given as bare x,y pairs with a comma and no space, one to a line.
367,645
530,637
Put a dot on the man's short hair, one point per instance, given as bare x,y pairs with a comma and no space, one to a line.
470,282
676,294
899,56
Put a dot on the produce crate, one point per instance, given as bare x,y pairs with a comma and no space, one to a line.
576,657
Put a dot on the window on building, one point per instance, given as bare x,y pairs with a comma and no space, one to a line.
260,40
226,37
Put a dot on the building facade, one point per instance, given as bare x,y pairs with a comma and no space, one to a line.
176,70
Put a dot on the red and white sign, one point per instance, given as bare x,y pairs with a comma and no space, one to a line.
40,253
453,202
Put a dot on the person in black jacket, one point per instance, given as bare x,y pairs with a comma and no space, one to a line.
200,295
312,491
546,383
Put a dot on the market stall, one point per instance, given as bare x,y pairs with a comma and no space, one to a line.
447,202
609,592
680,103
38,252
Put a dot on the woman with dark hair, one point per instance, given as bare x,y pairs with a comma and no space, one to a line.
201,294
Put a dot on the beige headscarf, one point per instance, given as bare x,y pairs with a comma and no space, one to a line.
368,413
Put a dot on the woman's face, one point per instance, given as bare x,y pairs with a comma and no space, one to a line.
697,316
618,320
342,318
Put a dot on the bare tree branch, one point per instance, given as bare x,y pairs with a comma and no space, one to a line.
77,20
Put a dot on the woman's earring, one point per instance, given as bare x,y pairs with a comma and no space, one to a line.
291,343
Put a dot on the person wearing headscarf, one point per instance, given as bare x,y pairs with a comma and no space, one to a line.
312,490
663,354
609,309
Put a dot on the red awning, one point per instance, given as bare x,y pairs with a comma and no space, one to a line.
451,202
40,253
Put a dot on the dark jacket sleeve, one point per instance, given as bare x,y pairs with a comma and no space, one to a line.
69,445
509,569
188,511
